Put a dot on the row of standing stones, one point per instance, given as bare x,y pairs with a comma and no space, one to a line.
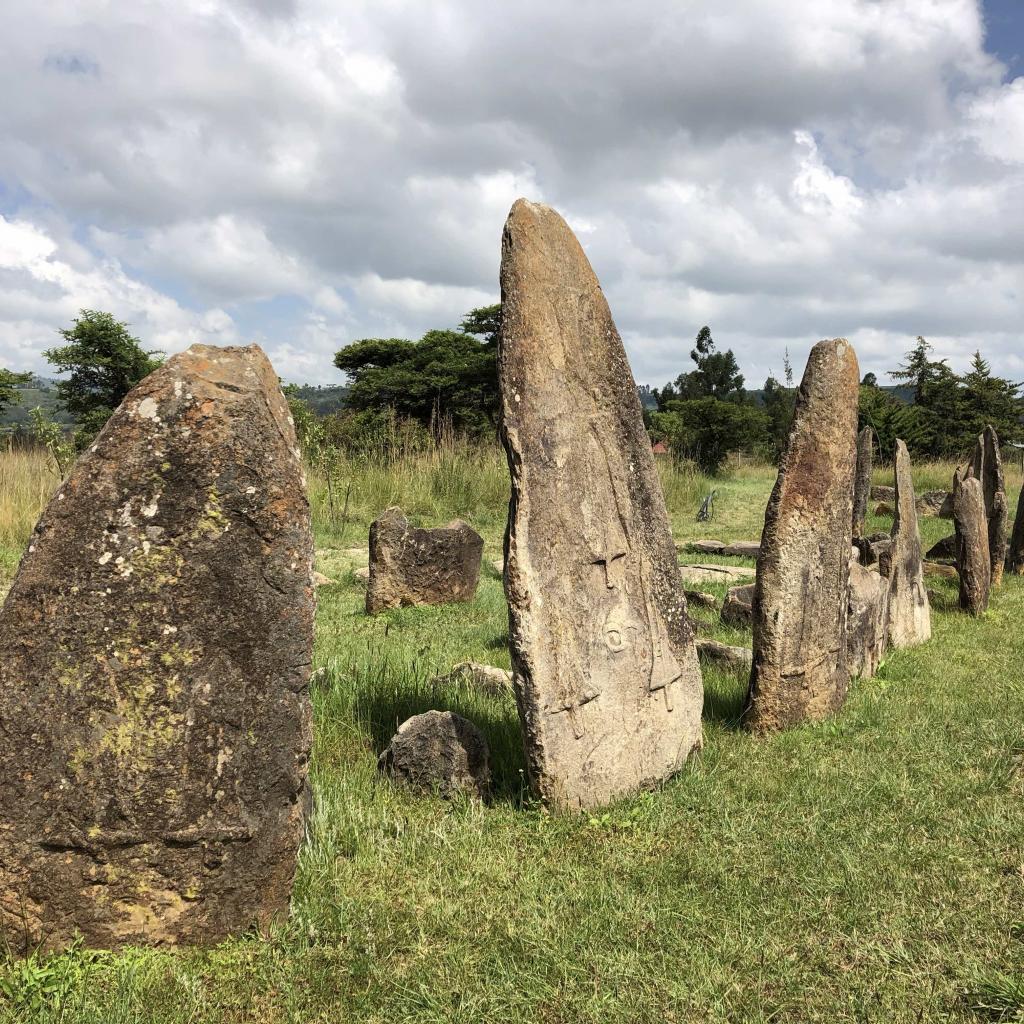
155,647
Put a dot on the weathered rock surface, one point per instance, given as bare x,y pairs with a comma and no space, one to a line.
931,502
735,659
800,602
439,752
701,598
410,566
883,508
872,549
910,619
862,479
705,547
154,663
485,678
710,573
940,569
362,574
742,549
987,466
880,492
945,548
737,609
946,508
320,580
866,620
1015,552
972,550
606,672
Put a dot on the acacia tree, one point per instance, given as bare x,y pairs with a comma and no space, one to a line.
104,362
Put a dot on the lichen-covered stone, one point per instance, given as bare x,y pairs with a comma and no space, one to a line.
910,620
737,609
972,549
154,663
931,502
410,566
987,466
866,620
439,752
800,600
862,479
605,669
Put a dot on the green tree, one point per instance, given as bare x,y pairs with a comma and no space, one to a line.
779,403
717,375
445,377
104,362
988,399
705,430
9,383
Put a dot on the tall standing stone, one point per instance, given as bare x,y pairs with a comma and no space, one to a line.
800,668
910,621
605,668
862,480
987,466
972,550
1015,554
154,662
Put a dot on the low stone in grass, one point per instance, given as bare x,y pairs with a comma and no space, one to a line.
742,549
710,573
884,509
866,620
873,548
737,609
701,598
485,678
945,548
931,502
410,566
882,492
439,752
733,659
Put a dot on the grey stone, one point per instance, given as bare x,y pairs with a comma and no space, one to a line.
945,548
737,609
948,572
485,678
702,598
880,492
439,752
873,548
155,654
705,547
972,550
709,573
866,620
862,479
410,566
734,659
607,678
800,602
931,502
910,621
742,549
987,466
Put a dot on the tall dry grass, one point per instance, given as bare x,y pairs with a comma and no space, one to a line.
27,479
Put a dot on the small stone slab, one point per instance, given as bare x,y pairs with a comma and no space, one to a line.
320,580
880,492
948,572
800,605
607,678
701,598
910,621
498,565
884,509
734,659
737,609
931,502
485,678
708,573
866,620
155,653
410,566
704,547
742,549
945,548
439,752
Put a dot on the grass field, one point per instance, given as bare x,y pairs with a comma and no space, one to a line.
870,868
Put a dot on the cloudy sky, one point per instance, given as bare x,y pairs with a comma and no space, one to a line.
303,173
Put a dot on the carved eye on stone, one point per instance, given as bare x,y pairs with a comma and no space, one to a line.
614,640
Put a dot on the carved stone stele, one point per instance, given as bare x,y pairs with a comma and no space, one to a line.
910,621
987,466
605,669
972,550
154,663
862,479
800,600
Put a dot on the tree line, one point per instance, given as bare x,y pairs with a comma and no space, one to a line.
447,381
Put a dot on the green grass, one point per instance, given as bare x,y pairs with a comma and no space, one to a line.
870,868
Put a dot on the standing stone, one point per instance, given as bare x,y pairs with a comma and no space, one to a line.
409,566
605,669
800,599
1015,554
972,550
867,620
862,479
910,621
154,663
987,466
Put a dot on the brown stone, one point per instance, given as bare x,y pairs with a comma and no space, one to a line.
800,602
873,549
945,548
987,466
737,609
946,508
884,509
606,672
439,752
972,550
1015,552
742,549
931,502
733,659
710,573
410,566
155,652
910,620
701,598
485,678
866,620
880,492
940,569
862,479
705,547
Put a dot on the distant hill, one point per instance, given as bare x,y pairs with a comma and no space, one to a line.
38,392
322,400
